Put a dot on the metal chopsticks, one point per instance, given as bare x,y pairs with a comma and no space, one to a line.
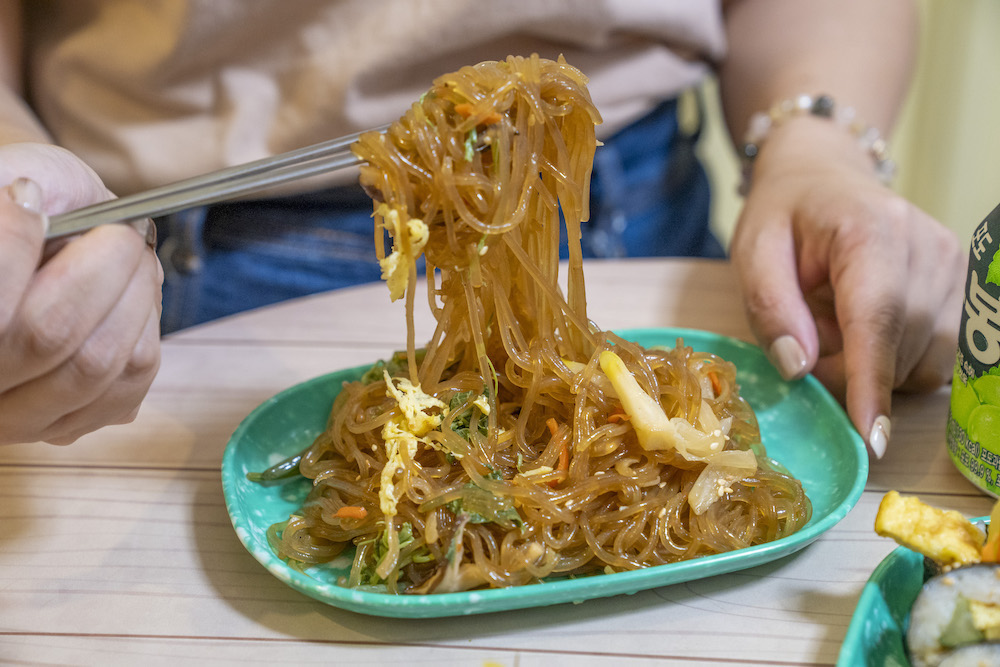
214,187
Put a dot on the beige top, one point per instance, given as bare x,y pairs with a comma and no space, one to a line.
151,91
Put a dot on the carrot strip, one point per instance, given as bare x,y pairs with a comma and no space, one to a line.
351,512
552,424
563,464
466,110
716,384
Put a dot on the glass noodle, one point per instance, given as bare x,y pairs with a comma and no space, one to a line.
508,448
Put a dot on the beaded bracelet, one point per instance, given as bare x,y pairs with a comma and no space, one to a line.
823,106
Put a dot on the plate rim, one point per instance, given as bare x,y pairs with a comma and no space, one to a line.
564,589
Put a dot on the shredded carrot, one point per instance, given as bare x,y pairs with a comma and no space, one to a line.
351,512
618,415
716,385
562,465
466,110
552,424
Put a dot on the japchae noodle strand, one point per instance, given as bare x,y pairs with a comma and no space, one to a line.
521,442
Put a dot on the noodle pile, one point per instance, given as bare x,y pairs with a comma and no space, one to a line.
521,442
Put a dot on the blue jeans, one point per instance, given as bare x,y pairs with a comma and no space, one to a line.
649,197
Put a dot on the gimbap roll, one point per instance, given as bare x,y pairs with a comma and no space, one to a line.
986,654
954,610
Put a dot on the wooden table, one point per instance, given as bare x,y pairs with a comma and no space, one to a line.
118,549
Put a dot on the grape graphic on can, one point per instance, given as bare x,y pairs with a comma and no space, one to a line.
973,431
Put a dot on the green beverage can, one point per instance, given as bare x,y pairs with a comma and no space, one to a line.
973,431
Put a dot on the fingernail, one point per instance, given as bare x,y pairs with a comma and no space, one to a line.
147,228
789,358
25,193
878,439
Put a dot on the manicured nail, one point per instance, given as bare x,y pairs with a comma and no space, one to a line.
878,439
789,358
147,229
25,193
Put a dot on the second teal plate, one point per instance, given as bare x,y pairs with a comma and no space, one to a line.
801,425
877,634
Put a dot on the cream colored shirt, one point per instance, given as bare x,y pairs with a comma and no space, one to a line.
151,91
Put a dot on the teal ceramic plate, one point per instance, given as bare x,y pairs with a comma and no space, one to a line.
802,426
876,635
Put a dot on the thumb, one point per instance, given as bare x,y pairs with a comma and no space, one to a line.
66,181
22,233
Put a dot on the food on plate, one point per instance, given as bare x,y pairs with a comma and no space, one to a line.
521,441
944,536
956,609
955,619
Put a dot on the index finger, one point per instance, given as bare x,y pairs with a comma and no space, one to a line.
871,309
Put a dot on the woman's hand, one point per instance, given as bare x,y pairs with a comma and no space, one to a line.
79,325
844,278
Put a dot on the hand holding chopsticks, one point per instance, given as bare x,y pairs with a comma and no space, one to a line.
79,322
213,187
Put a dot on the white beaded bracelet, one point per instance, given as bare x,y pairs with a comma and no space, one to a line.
823,106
